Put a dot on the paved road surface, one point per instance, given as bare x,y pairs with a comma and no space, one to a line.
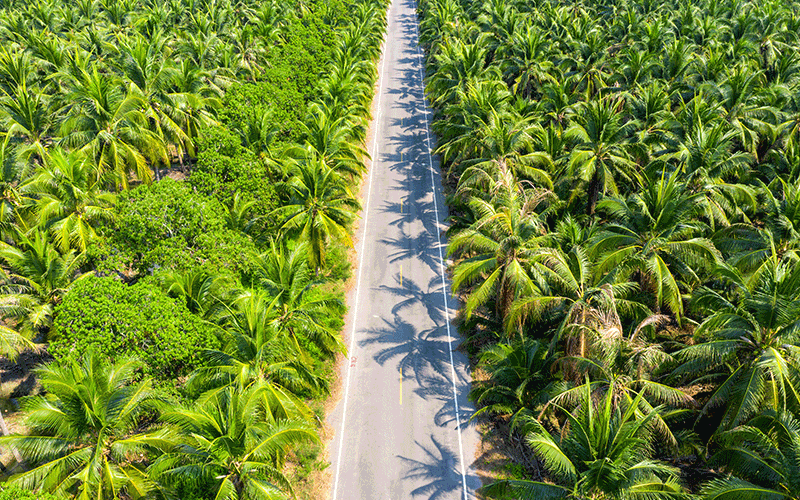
402,429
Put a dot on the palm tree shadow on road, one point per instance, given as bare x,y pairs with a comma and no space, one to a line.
441,472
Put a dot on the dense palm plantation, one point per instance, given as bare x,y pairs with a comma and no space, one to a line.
175,217
625,180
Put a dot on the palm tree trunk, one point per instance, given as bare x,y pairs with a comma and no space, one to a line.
594,193
583,333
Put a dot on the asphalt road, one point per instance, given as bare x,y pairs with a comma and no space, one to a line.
402,429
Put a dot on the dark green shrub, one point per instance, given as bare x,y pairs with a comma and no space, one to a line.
141,320
278,96
168,225
224,168
165,210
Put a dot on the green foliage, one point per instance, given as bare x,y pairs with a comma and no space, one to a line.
605,452
761,456
34,277
168,209
613,164
17,493
286,84
117,320
113,96
225,168
233,425
86,422
169,225
278,97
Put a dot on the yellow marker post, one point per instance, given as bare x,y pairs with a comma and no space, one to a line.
401,156
401,385
401,274
401,205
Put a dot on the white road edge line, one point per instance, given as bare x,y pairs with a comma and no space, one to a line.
441,265
361,258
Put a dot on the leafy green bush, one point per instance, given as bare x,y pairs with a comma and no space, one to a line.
224,168
278,96
291,76
117,319
18,493
168,225
164,210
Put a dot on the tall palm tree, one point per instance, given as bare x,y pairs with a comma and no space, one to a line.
504,144
70,199
707,155
778,236
27,115
601,159
481,107
109,125
331,140
258,352
570,290
229,443
604,452
527,64
83,434
459,65
749,337
301,307
656,233
760,458
12,173
35,275
320,208
498,249
517,377
144,64
626,367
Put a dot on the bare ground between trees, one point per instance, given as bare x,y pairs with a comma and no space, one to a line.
16,381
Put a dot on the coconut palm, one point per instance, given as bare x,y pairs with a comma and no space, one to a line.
752,247
479,114
144,64
331,141
527,64
602,157
504,144
70,199
258,352
656,233
604,452
84,437
458,65
27,116
498,250
201,291
518,377
12,173
228,442
301,308
35,275
320,208
569,291
109,125
760,458
626,367
749,343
